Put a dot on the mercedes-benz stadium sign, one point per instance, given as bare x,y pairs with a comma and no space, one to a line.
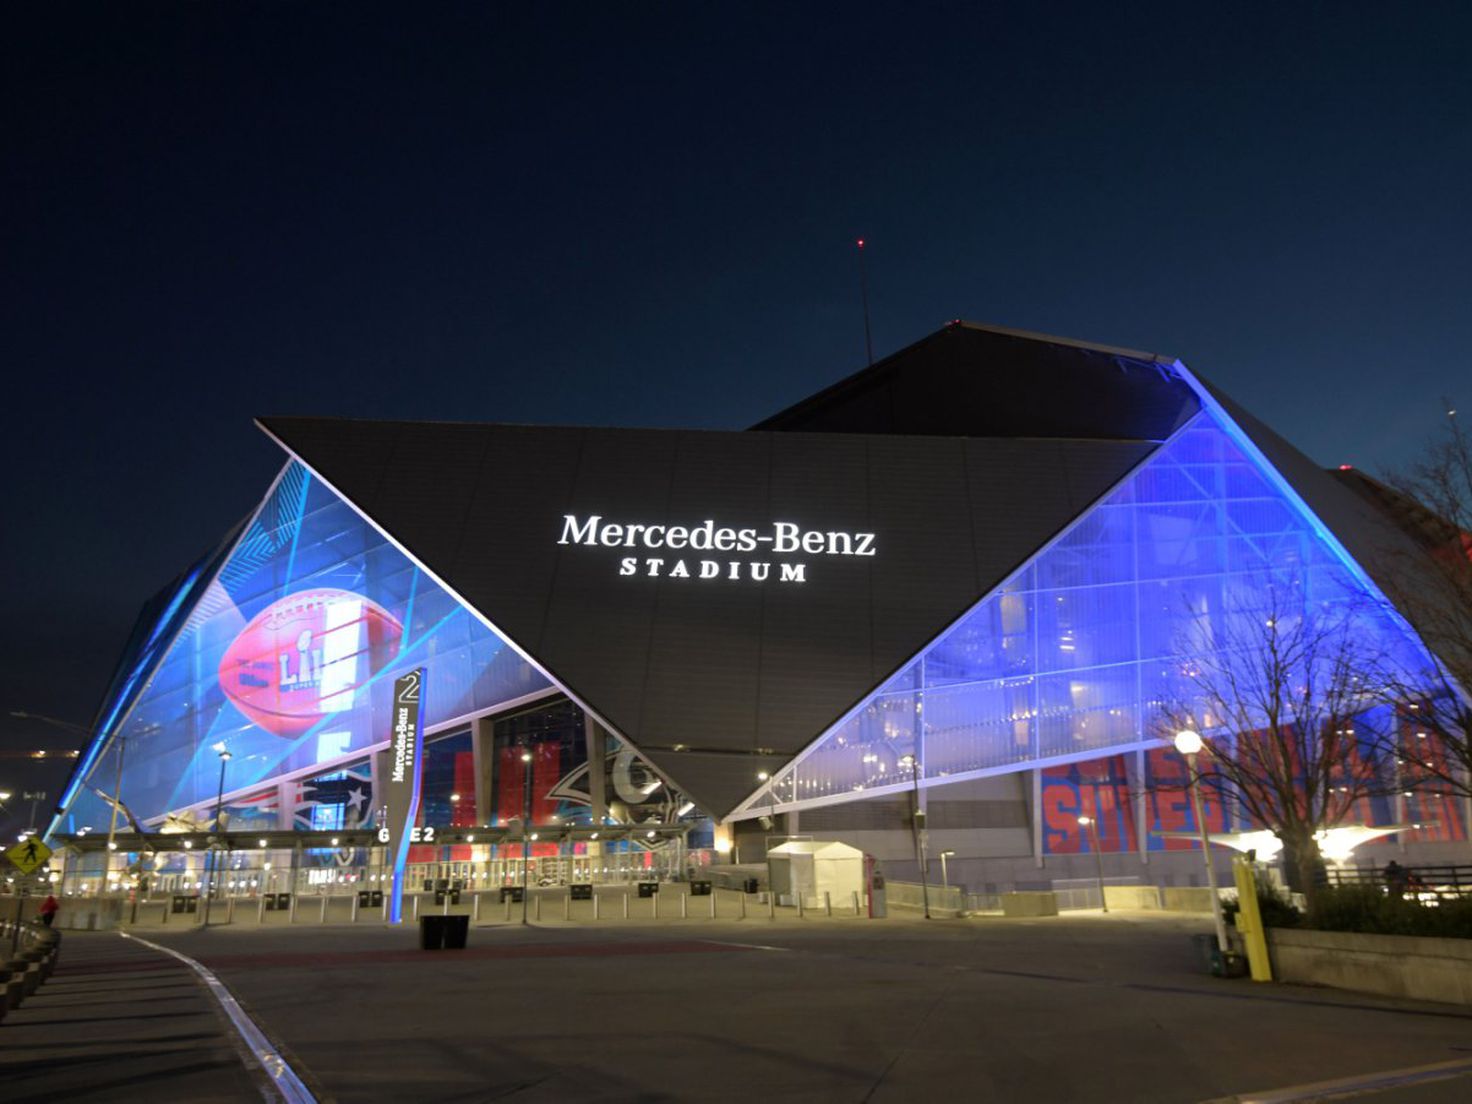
781,538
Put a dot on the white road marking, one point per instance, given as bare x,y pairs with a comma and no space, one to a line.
1355,1086
281,1075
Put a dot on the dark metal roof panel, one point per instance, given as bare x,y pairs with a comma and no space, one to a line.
737,670
979,381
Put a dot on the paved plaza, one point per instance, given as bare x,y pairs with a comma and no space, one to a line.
1080,1007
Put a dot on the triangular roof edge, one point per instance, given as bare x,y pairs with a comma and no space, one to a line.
468,606
1364,563
105,727
885,364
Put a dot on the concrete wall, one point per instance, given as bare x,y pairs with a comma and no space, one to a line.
1132,897
1392,965
1029,904
1186,898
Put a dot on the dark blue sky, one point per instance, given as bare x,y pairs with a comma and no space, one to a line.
643,214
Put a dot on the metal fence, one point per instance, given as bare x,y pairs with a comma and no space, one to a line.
1441,881
1072,893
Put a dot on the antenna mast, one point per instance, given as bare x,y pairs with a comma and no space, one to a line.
864,294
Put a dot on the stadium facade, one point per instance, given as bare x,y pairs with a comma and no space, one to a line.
963,577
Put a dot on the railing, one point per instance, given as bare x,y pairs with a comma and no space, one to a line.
1072,893
911,895
1442,881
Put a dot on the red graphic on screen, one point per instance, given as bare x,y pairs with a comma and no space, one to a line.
546,767
1096,788
305,656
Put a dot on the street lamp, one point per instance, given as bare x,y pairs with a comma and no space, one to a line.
1092,827
1188,743
209,888
526,817
112,820
945,879
916,817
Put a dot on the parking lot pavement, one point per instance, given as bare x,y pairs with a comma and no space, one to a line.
1079,1007
119,1022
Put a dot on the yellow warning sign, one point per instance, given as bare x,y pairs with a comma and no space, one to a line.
28,854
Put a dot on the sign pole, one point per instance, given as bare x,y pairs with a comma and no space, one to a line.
405,778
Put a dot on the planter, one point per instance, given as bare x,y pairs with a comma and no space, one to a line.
1411,966
1030,904
1132,897
1186,898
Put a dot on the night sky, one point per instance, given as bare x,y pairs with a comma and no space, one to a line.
643,214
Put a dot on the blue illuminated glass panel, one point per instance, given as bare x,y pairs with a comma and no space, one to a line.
1075,654
287,657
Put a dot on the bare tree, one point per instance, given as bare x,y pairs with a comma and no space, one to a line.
1283,691
1432,502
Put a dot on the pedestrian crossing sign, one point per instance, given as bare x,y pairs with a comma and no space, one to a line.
28,854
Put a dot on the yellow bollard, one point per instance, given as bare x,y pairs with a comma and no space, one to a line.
1249,920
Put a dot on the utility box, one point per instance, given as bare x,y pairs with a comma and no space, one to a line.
813,868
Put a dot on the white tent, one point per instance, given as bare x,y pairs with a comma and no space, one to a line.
813,868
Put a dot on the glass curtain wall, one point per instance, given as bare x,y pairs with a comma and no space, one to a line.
1077,653
287,658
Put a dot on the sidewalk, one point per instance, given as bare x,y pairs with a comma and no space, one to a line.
117,1021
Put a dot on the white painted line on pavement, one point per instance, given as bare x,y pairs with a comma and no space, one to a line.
748,946
281,1075
1354,1086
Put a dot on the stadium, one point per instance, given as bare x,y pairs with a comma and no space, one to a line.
958,582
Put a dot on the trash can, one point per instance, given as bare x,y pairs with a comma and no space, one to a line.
648,889
376,898
432,932
581,891
699,889
457,930
1217,963
513,893
749,886
283,900
364,897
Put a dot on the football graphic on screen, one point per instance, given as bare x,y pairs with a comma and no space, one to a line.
305,657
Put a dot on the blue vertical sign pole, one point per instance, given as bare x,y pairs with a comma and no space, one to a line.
405,775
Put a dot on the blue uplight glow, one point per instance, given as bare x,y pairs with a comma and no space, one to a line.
289,648
1074,656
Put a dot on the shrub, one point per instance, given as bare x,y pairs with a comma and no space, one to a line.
1276,908
1373,910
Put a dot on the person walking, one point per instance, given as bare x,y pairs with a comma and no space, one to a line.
1397,879
49,908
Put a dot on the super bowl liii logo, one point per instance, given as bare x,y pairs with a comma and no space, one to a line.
676,543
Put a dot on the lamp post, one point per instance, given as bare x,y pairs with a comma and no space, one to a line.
112,820
1188,743
915,819
1092,828
526,817
211,865
945,879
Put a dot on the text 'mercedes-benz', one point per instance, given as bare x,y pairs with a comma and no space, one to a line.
782,538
